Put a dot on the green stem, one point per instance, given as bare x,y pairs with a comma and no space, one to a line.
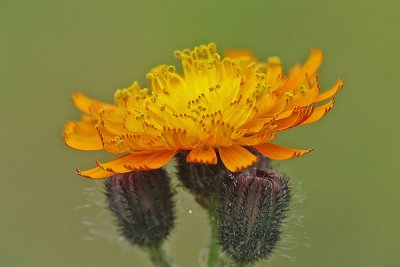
159,257
239,264
214,249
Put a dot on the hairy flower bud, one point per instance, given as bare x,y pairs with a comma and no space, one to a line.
253,205
142,203
201,179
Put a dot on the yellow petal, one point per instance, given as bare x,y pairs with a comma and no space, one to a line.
82,135
279,152
329,93
95,173
202,154
236,158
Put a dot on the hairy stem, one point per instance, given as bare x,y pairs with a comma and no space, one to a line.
214,249
239,264
159,257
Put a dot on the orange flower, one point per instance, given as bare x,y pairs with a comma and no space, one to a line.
217,104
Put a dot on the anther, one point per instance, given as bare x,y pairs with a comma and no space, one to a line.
171,69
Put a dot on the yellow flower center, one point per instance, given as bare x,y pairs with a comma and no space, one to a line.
209,103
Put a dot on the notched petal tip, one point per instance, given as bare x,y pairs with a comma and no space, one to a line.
88,105
319,112
149,161
316,52
313,62
330,92
81,101
82,135
95,173
281,153
237,158
117,165
246,165
202,155
82,174
138,167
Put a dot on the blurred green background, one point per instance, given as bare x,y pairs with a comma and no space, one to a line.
49,49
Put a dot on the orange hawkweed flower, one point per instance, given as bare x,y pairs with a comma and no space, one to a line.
216,104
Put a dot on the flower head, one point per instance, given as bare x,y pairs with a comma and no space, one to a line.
215,105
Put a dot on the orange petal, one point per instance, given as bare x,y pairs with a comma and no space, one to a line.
329,93
202,154
314,61
113,121
305,98
129,162
287,122
319,112
95,173
149,161
238,53
297,117
236,157
86,104
274,71
299,74
177,137
255,139
82,135
256,125
82,102
118,165
279,152
278,107
109,141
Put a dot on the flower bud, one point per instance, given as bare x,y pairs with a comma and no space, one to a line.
142,203
201,179
253,205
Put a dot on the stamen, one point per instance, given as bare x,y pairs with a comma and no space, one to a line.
118,142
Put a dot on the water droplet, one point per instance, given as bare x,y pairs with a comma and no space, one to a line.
190,211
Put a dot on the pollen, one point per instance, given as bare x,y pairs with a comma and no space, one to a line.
216,105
